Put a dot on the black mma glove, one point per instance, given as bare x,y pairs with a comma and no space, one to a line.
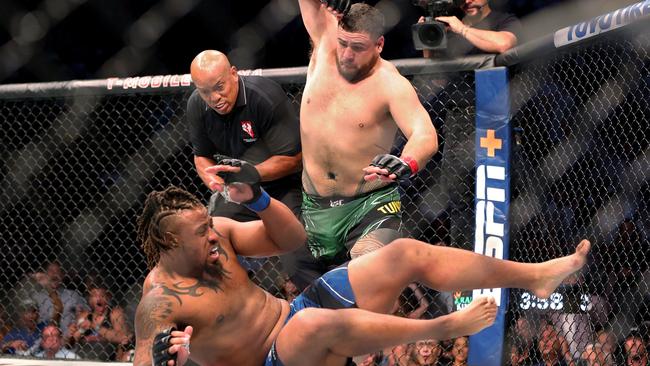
340,6
160,349
401,168
249,175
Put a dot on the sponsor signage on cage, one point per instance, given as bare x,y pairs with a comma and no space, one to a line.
160,81
602,23
462,299
149,82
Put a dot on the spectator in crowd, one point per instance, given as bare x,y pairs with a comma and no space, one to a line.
102,330
51,345
636,351
288,289
481,30
586,353
405,309
400,355
252,119
26,331
606,338
523,341
4,324
521,354
583,307
52,296
373,359
550,349
594,355
548,335
421,353
446,351
425,352
460,351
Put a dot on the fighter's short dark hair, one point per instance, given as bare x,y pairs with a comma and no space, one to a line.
363,18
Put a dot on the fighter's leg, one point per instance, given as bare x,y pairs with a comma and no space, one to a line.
373,240
328,337
377,278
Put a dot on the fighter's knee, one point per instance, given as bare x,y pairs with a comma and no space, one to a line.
315,323
411,251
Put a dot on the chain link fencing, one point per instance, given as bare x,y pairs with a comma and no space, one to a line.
75,168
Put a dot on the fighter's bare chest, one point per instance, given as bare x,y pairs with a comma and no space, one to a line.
326,88
212,311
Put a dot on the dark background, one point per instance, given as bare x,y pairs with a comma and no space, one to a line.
78,41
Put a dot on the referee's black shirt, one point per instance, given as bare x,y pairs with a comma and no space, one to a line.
263,123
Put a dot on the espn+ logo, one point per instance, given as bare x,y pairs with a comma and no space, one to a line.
490,218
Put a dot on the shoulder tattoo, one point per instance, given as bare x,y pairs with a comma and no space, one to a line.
193,290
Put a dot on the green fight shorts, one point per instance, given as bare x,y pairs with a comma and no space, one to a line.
334,224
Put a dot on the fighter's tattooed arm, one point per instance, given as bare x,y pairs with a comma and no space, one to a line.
153,315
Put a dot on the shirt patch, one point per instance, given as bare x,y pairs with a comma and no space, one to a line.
247,126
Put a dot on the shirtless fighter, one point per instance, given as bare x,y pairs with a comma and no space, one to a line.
197,285
353,103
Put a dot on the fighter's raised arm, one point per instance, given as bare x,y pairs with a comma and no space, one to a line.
318,19
278,231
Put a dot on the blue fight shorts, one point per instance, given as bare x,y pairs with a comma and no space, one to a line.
330,291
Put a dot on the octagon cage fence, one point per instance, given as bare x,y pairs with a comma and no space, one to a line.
78,158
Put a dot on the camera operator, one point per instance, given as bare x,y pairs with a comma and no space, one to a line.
481,30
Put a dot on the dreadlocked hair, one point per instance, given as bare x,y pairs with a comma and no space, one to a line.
158,206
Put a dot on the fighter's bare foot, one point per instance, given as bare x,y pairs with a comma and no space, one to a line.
480,314
553,272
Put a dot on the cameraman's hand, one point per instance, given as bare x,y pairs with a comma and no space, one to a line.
455,25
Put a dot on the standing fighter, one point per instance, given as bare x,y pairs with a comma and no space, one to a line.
196,284
353,103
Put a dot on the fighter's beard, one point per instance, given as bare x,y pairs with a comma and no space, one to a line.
358,74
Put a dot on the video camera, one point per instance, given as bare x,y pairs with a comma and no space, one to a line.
432,34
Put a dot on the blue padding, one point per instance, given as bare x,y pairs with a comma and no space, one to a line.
492,199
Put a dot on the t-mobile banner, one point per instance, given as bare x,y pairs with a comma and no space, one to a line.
492,199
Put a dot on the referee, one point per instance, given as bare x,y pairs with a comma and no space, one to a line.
248,118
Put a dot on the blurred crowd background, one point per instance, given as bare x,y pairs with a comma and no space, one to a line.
53,40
